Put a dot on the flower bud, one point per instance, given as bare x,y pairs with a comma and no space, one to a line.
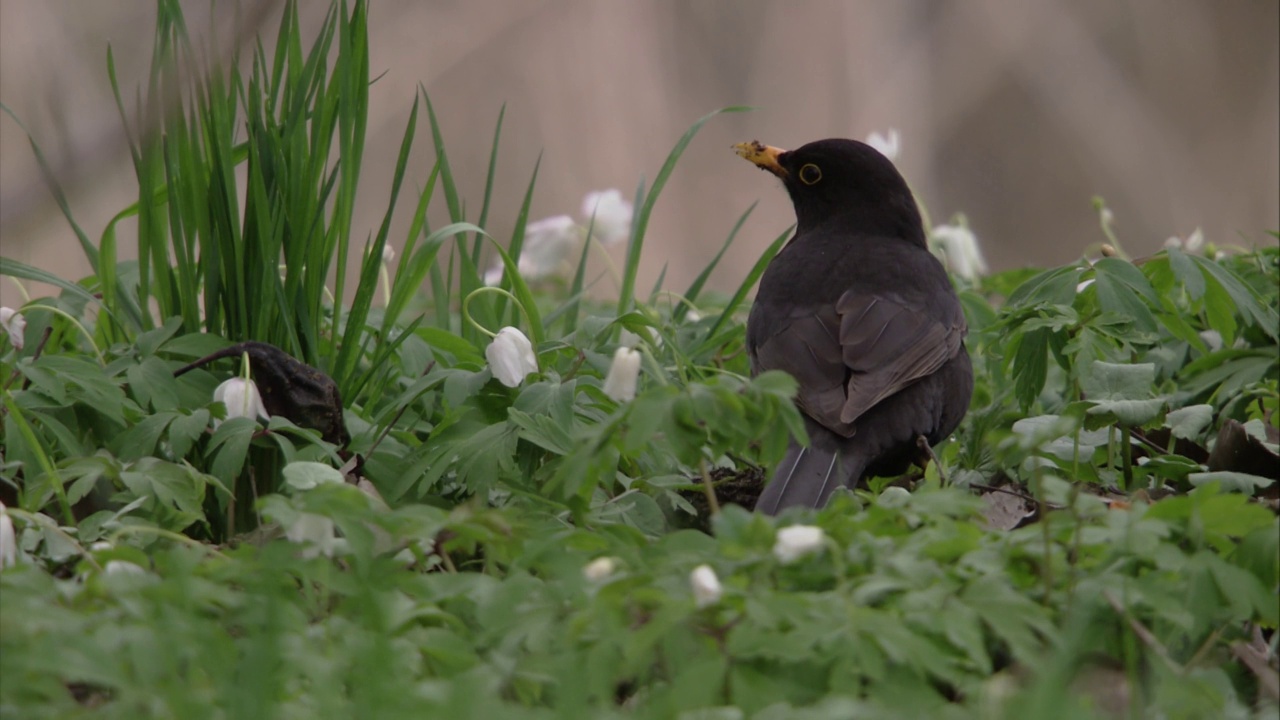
316,532
612,215
511,357
15,325
960,248
241,398
620,382
706,586
123,567
796,541
599,569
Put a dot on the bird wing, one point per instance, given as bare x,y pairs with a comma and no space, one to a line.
886,344
851,355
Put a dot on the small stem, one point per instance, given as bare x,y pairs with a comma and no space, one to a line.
1126,456
167,534
88,336
923,444
466,302
609,264
708,488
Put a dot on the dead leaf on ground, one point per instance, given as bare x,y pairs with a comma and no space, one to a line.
1006,511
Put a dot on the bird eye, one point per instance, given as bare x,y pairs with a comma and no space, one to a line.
810,174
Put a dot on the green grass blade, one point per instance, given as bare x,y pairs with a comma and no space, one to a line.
740,295
55,189
626,296
488,186
695,288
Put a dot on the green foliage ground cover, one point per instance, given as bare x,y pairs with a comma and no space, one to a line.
527,552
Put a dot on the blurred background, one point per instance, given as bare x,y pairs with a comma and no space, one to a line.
1015,113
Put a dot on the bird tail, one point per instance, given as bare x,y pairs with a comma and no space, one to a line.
808,475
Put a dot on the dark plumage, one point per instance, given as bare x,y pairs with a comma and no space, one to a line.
862,315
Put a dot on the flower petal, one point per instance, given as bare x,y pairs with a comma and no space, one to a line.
705,585
624,372
511,357
612,215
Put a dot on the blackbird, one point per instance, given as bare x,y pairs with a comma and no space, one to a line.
858,310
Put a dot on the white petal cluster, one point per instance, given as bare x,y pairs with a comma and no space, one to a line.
316,533
796,541
960,248
15,325
549,242
705,585
511,357
612,215
599,569
123,567
241,398
1191,244
887,145
624,372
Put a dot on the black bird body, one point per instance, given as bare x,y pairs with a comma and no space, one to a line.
858,310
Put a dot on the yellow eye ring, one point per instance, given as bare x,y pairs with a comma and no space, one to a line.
810,174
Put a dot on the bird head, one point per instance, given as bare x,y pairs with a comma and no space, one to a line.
843,181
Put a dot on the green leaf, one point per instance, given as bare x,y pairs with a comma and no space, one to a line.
1241,296
1123,289
186,429
1231,481
153,384
141,439
1118,381
229,446
1187,273
304,475
1189,422
1051,287
1031,366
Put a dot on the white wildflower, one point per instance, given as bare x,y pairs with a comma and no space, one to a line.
511,357
1212,339
887,145
612,215
624,371
8,540
706,586
314,531
123,567
796,541
960,248
241,397
599,569
547,243
1191,244
384,273
15,325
